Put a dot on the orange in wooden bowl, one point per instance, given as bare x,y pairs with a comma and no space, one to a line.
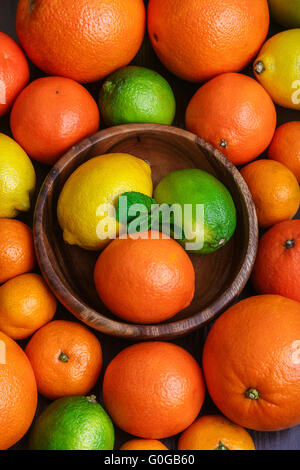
145,280
219,277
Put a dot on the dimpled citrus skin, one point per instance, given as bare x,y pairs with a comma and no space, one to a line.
17,178
211,432
14,72
52,114
143,444
81,39
199,39
153,390
285,146
145,280
18,393
66,358
26,304
277,266
277,68
253,350
98,181
275,191
16,249
235,114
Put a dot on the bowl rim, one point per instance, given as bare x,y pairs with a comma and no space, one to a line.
113,327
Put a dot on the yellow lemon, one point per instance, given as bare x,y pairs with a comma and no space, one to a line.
85,203
17,178
277,68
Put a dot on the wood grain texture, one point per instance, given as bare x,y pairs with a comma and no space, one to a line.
288,439
220,276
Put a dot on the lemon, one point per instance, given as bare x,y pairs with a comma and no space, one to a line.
81,210
277,68
286,12
17,178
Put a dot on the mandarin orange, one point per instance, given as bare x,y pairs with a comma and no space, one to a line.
153,390
215,433
66,358
52,114
26,304
275,191
277,265
235,114
16,249
285,146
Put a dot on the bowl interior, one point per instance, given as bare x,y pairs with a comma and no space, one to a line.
166,151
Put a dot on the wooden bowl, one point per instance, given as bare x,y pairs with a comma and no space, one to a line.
220,277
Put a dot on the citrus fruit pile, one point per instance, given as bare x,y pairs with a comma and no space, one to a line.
144,276
149,233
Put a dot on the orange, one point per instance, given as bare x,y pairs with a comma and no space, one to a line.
14,72
235,114
145,280
18,393
251,363
81,39
143,444
285,147
153,390
274,189
66,358
16,249
277,266
199,39
215,433
26,304
52,114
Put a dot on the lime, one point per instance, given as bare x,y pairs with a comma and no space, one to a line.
81,208
17,178
277,68
286,12
73,423
191,188
136,94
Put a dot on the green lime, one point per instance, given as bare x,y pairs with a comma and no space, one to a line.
73,423
286,12
206,206
136,94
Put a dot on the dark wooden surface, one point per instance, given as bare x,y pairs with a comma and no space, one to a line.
220,276
288,439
